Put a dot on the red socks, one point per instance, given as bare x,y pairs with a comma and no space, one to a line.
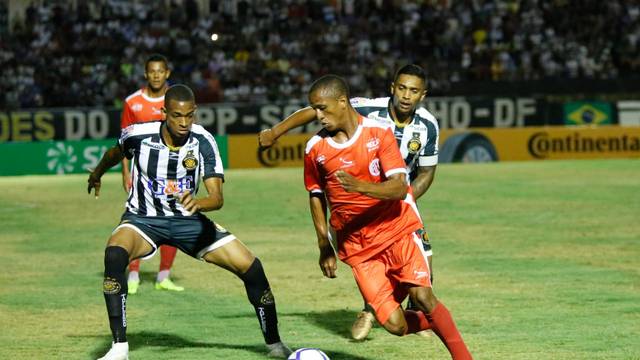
167,254
443,325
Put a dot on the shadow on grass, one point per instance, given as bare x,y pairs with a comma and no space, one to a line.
335,321
143,339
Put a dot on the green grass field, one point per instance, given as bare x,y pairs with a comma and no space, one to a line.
535,260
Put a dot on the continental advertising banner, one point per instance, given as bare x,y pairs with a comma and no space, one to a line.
63,157
515,144
558,142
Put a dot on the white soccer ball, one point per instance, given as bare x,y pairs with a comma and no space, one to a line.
308,354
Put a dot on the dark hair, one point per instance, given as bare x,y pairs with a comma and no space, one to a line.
412,69
333,84
156,58
179,92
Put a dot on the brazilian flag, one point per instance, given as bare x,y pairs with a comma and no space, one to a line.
587,113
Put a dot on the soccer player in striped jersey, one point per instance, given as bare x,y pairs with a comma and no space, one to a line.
416,133
169,159
142,106
354,167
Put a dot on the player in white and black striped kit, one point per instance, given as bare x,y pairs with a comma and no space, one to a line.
169,160
417,134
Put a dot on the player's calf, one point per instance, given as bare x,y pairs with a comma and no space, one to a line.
260,296
114,287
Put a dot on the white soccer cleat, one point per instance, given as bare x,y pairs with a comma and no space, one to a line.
118,351
278,350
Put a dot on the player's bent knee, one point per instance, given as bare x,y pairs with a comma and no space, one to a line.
396,324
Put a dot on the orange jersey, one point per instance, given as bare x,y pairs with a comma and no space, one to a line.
139,107
363,225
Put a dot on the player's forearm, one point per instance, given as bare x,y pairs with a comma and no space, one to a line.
392,189
125,167
211,203
298,118
318,207
110,159
423,181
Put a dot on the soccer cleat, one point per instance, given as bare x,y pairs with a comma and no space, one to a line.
425,333
167,284
278,350
118,351
133,286
363,324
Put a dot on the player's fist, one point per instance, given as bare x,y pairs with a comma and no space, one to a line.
348,182
93,183
328,263
266,139
189,202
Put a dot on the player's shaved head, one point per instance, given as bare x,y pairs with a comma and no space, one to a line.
179,92
330,85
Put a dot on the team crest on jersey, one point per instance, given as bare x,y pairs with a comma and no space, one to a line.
374,167
136,107
320,159
414,144
190,162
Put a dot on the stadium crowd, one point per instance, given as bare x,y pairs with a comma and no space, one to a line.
92,54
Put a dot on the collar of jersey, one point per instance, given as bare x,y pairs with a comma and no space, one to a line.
353,139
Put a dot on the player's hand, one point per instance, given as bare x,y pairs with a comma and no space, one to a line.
189,202
93,183
348,182
266,139
328,263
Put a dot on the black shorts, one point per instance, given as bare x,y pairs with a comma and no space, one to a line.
194,235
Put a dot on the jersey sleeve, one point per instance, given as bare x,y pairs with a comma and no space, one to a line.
211,162
391,160
429,154
128,142
127,118
312,177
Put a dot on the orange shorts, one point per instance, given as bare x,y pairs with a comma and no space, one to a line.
384,279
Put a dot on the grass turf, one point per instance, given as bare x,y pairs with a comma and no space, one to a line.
535,260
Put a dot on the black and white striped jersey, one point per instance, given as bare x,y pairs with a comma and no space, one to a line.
417,140
159,174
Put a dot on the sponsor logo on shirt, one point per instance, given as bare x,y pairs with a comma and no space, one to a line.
373,144
346,163
374,167
165,188
153,145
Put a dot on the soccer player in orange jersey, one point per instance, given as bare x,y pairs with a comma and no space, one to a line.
142,106
355,166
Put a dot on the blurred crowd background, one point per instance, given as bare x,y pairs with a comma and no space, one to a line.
88,53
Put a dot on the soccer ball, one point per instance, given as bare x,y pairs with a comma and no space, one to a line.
308,354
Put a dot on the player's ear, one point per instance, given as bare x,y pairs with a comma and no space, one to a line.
391,88
424,93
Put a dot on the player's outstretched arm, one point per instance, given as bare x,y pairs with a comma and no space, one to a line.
423,181
110,159
268,137
327,261
394,188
